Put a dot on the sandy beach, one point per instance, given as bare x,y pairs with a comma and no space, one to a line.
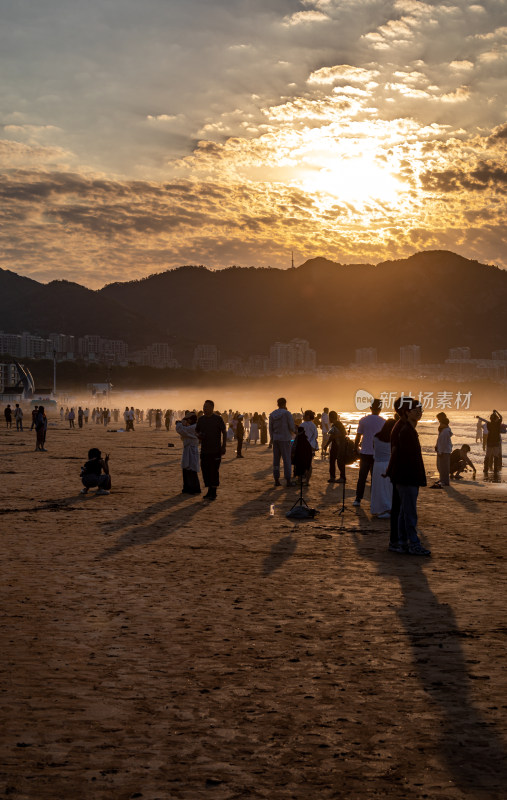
158,647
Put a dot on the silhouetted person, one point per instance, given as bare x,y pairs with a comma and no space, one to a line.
460,462
493,458
41,425
335,439
240,435
96,473
210,429
18,416
406,470
8,415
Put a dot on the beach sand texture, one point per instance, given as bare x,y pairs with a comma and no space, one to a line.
155,646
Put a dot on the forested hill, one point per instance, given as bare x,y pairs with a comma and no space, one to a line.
435,299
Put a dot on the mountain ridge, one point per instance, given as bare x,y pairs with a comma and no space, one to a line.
437,299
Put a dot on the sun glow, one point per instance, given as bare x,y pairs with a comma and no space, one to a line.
355,180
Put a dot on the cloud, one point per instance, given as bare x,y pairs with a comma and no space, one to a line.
302,17
139,136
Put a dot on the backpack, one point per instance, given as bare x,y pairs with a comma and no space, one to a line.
348,452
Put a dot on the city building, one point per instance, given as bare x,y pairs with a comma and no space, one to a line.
459,353
232,365
93,348
206,357
293,356
159,355
63,345
366,356
25,345
410,356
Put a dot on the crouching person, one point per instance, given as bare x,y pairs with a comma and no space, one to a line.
96,473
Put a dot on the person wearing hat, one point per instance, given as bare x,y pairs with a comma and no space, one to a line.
367,428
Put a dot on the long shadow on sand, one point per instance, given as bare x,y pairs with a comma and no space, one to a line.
144,515
474,752
259,505
468,504
280,552
159,529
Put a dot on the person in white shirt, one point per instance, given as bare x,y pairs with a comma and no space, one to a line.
443,449
367,428
18,416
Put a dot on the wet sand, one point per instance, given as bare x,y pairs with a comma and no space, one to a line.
155,647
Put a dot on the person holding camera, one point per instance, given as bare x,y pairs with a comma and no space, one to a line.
190,458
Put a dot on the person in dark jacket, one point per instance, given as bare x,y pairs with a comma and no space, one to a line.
493,457
240,435
406,470
210,430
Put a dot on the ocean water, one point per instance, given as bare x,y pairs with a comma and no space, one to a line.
463,425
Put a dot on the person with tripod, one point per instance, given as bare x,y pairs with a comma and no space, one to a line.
336,437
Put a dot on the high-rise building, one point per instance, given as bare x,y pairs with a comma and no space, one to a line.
459,353
292,356
366,355
410,356
206,357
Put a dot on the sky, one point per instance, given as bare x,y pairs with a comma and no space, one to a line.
140,136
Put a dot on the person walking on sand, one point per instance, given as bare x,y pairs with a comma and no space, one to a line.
211,432
281,432
367,428
8,415
406,470
41,425
72,417
18,416
478,431
240,435
35,411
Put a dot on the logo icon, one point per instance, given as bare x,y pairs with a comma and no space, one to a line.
363,399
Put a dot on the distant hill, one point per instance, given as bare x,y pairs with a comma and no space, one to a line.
435,299
64,307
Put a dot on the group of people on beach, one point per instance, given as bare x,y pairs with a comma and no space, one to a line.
388,450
